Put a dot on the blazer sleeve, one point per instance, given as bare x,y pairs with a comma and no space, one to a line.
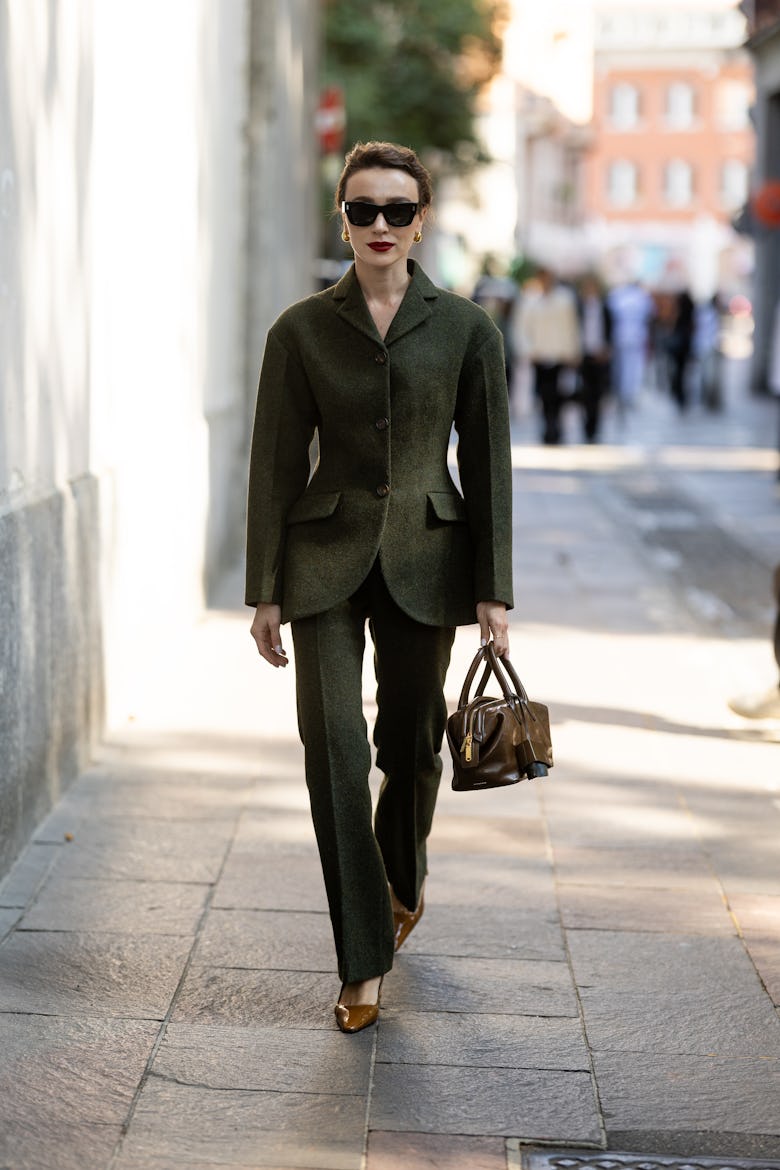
285,420
485,465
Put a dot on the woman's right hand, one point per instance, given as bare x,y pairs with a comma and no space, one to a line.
266,631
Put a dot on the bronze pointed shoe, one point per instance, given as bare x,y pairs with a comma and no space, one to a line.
404,922
356,1017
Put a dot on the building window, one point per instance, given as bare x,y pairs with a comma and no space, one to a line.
680,108
678,183
624,106
733,184
732,104
622,183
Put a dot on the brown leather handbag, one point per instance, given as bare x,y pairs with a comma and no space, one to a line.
495,742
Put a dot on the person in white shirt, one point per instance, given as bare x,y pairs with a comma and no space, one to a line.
548,335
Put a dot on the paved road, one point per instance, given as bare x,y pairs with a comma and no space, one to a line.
598,966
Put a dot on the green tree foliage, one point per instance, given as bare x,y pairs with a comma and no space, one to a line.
411,71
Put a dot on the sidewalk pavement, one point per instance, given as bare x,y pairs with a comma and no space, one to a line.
598,964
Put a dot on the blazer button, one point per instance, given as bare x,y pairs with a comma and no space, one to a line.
382,424
383,490
380,357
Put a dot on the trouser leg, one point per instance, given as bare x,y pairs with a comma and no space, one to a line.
329,651
546,377
411,663
592,374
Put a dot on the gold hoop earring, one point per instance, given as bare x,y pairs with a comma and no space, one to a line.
345,236
417,237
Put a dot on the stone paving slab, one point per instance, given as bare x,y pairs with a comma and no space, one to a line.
275,1058
271,879
481,1041
699,911
740,871
26,876
501,882
640,1091
107,975
119,907
138,793
8,920
472,832
146,850
674,996
147,1161
234,996
424,1151
282,940
70,1071
664,867
260,1129
541,1104
35,1145
472,986
489,932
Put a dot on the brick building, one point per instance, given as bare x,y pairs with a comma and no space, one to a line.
672,146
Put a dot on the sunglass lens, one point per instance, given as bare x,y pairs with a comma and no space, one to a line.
400,214
361,214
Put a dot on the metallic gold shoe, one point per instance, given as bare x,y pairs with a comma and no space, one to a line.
356,1017
404,922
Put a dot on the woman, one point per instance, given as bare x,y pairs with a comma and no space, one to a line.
381,366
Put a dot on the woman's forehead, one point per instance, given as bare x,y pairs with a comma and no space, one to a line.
381,185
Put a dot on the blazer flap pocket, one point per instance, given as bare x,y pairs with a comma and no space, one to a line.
316,506
447,506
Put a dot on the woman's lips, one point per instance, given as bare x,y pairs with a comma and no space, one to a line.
380,247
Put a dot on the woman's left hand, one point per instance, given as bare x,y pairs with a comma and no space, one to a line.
491,616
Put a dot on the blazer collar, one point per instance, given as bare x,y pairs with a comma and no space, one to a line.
415,308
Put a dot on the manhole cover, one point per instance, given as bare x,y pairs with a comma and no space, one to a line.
593,1160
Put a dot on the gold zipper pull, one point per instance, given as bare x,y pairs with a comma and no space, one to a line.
466,746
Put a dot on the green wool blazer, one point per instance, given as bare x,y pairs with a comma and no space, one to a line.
384,413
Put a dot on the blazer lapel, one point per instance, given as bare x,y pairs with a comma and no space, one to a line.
351,305
415,308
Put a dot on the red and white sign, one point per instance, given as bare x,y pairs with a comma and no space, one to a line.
331,120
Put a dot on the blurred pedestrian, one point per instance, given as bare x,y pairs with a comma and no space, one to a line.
764,704
632,310
382,366
678,348
773,368
706,352
596,346
548,335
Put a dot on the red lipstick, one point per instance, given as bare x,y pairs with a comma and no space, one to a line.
380,247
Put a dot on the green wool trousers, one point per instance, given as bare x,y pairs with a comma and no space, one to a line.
359,857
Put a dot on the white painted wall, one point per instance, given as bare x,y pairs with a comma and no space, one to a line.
168,223
45,294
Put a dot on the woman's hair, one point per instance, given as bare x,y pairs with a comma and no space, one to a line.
385,154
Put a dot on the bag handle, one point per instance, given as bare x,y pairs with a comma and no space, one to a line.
496,666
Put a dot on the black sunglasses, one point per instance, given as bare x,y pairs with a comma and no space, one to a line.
364,214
